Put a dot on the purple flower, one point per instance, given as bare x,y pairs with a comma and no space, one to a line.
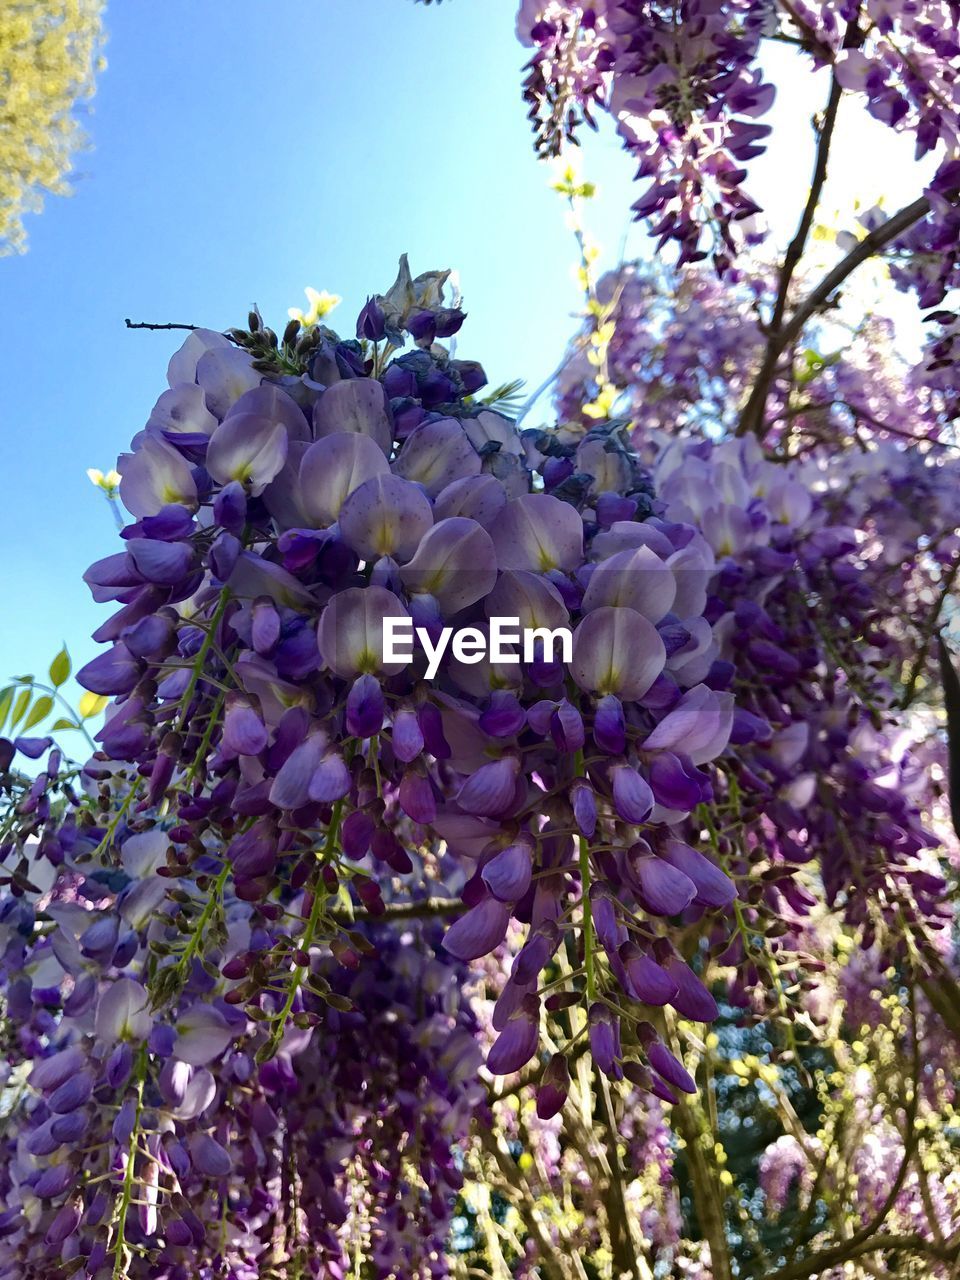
350,633
479,931
247,449
436,454
508,873
406,735
491,791
663,1061
504,716
676,784
648,981
153,477
365,707
244,732
330,780
698,726
111,673
584,804
202,1035
665,890
518,1041
385,516
65,1223
332,468
632,797
355,405
122,1012
455,563
693,1000
51,1072
616,651
605,1040
554,1087
73,1093
566,727
209,1157
416,796
714,887
537,532
609,725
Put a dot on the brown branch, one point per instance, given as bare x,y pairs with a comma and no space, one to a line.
707,1196
866,1239
428,909
798,243
926,635
752,417
622,1242
142,324
551,1259
817,1263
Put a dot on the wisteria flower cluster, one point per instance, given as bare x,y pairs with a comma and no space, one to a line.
267,778
686,86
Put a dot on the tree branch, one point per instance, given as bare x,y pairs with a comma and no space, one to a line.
707,1195
926,635
428,909
142,324
752,417
866,1240
818,1263
551,1259
622,1243
798,243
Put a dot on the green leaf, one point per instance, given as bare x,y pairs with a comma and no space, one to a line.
6,697
20,706
63,723
951,701
39,711
91,704
60,668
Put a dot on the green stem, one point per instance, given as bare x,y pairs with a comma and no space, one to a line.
129,1174
209,907
118,817
201,657
588,944
316,911
204,747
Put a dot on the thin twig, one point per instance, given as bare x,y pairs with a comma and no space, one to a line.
428,908
927,634
752,418
142,324
799,242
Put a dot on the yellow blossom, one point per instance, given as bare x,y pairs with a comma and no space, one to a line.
108,481
321,304
49,56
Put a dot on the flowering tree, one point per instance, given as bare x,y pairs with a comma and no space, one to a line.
631,962
49,53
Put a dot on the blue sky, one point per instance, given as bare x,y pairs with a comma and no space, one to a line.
243,151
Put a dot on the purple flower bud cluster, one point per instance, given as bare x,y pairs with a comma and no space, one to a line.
816,713
686,87
826,566
268,776
686,92
254,697
160,1142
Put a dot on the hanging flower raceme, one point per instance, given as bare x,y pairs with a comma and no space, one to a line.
295,747
685,84
831,539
